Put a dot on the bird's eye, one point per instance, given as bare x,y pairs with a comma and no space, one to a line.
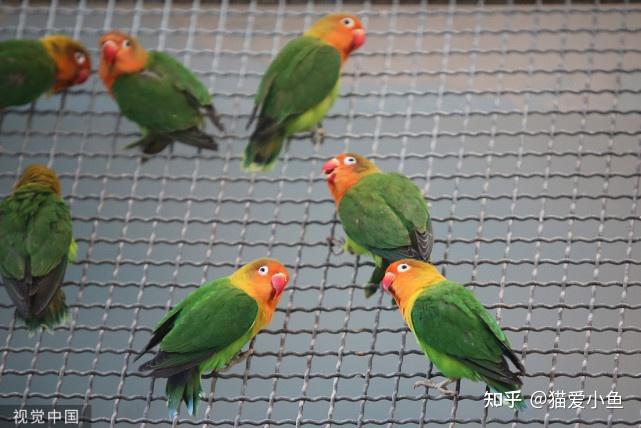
263,270
126,43
348,22
349,160
80,58
403,267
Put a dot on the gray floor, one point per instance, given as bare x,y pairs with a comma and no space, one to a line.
521,124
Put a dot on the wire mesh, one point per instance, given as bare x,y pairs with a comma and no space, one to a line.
520,123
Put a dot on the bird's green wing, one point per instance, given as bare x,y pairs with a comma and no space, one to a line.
183,78
37,236
205,322
386,214
303,74
155,98
26,71
449,319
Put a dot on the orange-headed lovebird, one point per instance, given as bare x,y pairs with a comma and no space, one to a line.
161,95
299,86
453,328
211,325
29,68
384,214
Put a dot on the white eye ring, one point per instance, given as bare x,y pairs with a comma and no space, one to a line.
348,22
403,267
262,271
126,43
349,160
80,58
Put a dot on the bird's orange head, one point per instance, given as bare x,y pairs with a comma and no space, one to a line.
344,171
73,64
264,279
405,277
343,31
120,54
38,174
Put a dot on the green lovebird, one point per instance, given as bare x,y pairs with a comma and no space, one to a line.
36,245
210,326
299,87
384,214
453,329
161,95
30,68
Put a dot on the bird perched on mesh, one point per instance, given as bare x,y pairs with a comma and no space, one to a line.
36,245
384,214
453,328
207,330
157,92
300,85
31,68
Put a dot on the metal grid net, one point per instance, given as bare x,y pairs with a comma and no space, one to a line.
520,123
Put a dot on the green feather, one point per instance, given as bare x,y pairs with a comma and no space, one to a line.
202,333
462,338
35,224
167,101
298,88
26,72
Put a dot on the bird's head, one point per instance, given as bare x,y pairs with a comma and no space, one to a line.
120,54
345,170
73,64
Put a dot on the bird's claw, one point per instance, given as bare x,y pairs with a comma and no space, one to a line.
318,135
335,243
440,387
238,358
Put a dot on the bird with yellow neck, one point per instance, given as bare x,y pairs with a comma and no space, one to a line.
453,328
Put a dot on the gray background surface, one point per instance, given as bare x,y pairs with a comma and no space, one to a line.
521,124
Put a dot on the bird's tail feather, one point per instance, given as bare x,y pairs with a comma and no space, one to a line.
262,151
183,386
195,137
56,313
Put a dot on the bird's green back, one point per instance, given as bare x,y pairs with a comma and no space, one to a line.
26,71
35,223
381,213
165,97
303,74
209,319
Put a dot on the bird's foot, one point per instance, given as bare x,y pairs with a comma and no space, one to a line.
336,243
318,135
237,359
440,387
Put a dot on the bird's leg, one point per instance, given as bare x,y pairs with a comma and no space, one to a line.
335,243
238,358
318,134
440,387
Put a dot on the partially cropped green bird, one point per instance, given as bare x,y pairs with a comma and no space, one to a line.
205,331
36,245
31,68
300,85
157,92
453,329
384,214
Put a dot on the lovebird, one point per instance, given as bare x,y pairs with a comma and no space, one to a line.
157,92
36,245
30,68
206,330
384,214
300,85
453,328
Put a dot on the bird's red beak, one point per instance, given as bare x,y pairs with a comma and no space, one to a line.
358,38
388,280
279,282
329,167
82,76
109,51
